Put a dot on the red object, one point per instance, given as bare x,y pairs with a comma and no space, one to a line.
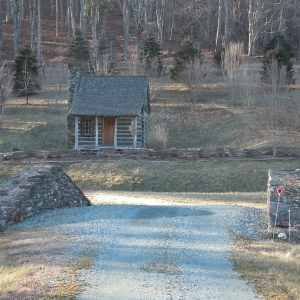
279,191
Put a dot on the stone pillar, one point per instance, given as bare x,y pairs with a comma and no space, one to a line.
280,206
73,79
70,131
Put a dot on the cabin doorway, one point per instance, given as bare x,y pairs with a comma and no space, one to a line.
108,131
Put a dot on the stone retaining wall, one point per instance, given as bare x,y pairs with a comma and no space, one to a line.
35,189
288,200
168,154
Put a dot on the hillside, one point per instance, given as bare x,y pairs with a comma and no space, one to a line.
211,121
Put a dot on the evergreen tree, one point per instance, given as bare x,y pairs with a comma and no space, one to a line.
26,75
78,48
151,54
187,52
279,49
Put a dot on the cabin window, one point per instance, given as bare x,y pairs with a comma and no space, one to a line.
87,126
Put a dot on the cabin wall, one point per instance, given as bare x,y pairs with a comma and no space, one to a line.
88,142
125,134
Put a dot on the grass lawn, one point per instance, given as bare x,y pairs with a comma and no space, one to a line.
176,177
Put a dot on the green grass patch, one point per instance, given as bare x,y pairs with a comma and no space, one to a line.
196,176
152,176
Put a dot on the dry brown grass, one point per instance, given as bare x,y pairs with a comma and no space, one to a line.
272,267
40,264
37,125
157,137
210,122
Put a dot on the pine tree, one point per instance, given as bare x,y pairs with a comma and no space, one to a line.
279,49
151,54
187,52
78,48
26,75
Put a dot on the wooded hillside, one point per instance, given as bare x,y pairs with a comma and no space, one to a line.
47,25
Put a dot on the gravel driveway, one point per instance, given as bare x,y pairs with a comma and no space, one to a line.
156,250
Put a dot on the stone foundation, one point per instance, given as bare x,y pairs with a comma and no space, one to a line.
35,189
288,200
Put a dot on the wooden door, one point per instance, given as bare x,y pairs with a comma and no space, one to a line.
108,134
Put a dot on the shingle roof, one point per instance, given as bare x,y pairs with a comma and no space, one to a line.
110,96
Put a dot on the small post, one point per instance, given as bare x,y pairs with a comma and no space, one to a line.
279,191
289,225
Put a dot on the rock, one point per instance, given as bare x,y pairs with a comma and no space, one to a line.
282,236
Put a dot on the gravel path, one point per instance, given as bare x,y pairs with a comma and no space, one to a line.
158,250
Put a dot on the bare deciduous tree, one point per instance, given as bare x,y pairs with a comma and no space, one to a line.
247,86
6,85
101,65
195,74
231,66
274,110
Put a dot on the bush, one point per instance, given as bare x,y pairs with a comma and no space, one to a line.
157,138
280,50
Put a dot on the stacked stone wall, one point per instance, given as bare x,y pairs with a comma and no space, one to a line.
151,154
284,207
70,131
35,189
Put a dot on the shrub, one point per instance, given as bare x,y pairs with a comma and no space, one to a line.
278,49
158,137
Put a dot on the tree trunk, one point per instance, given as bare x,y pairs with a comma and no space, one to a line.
72,15
16,14
51,8
171,18
226,22
22,9
95,25
62,18
56,18
160,17
8,15
39,36
83,18
126,23
76,5
1,36
68,18
139,13
255,20
219,24
32,11
207,19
